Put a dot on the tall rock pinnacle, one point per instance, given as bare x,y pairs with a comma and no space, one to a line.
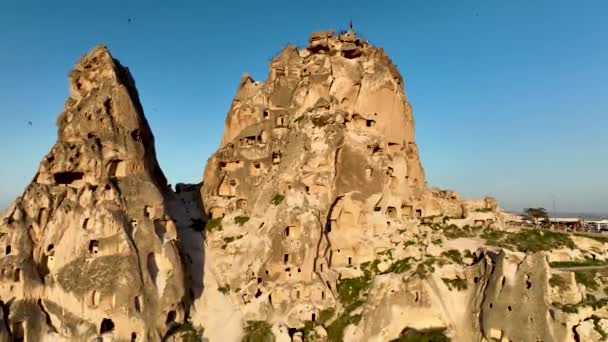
317,172
89,244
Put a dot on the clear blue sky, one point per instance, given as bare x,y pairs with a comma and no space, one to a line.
510,98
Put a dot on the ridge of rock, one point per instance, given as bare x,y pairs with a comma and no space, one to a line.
90,240
322,226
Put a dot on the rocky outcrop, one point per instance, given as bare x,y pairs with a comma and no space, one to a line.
90,248
314,223
322,223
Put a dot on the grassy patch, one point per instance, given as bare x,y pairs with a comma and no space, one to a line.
452,231
587,278
429,335
224,289
277,199
258,331
558,281
351,290
454,255
458,283
369,268
241,220
388,253
493,236
578,263
230,239
595,303
189,333
598,327
535,240
568,308
351,293
326,315
335,331
425,267
590,300
399,266
409,243
528,240
214,224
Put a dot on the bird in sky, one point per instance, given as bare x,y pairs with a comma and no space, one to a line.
29,123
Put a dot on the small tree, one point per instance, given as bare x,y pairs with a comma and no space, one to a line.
536,214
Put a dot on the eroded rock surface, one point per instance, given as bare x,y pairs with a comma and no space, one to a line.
322,223
89,248
314,222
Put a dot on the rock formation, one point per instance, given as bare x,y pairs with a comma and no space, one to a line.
322,225
89,248
314,222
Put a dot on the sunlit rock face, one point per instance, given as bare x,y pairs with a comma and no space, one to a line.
322,226
89,249
318,172
314,222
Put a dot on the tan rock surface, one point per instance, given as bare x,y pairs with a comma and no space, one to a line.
89,248
322,221
314,222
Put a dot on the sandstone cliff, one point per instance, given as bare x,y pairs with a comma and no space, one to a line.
314,222
89,248
322,226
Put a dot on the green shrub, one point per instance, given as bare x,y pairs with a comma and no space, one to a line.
350,290
493,236
430,335
258,331
594,302
598,327
587,278
189,333
569,308
335,331
326,315
425,267
214,224
277,199
241,220
458,283
399,266
230,239
452,231
370,268
558,281
454,255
